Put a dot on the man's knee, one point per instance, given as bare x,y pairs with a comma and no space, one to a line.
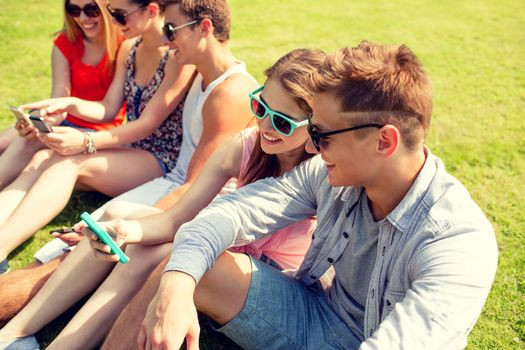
222,291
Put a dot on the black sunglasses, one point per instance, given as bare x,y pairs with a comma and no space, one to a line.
120,15
90,10
317,136
169,29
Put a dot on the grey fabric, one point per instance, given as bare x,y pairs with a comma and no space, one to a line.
353,269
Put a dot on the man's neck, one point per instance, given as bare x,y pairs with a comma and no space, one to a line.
152,38
214,61
394,183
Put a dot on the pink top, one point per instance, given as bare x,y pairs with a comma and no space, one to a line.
287,246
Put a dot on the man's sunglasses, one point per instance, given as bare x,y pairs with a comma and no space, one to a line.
282,123
169,29
317,136
90,10
120,15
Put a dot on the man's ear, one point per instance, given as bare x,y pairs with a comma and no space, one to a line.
153,9
206,26
389,139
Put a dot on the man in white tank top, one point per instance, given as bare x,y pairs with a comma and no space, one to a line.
216,108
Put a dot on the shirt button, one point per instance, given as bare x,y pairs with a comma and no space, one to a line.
313,236
345,234
313,277
388,303
330,260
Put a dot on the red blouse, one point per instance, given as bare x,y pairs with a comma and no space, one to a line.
87,82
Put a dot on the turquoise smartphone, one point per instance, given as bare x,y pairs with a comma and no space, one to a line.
104,237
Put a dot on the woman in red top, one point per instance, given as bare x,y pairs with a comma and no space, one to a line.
83,63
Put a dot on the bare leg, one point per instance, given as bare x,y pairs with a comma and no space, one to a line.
15,158
111,172
222,291
124,333
6,137
76,277
20,286
89,326
13,194
220,294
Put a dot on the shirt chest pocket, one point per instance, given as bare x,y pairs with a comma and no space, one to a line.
390,299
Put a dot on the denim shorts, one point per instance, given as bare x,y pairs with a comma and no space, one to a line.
283,313
66,122
163,165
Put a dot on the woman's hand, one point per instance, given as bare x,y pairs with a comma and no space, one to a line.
52,108
122,232
70,236
64,140
27,131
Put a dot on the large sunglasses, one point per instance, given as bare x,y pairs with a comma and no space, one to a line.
120,15
169,29
282,123
318,136
90,10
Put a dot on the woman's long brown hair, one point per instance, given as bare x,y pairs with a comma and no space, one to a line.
292,72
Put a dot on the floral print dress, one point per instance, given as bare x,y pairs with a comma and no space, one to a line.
166,140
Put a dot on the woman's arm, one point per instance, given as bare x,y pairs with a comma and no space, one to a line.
61,74
61,87
176,82
172,89
93,111
222,165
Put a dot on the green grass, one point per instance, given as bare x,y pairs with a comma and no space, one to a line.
472,50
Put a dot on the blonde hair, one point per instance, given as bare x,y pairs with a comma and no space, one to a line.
112,33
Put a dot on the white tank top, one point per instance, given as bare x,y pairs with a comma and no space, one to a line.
192,120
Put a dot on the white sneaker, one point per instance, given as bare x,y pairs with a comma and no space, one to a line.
51,250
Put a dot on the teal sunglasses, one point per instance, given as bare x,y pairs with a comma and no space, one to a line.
282,123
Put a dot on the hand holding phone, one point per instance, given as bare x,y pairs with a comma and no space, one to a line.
40,124
104,237
20,115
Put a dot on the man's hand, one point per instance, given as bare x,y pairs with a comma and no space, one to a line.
171,315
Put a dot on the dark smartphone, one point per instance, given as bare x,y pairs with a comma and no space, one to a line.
62,230
40,124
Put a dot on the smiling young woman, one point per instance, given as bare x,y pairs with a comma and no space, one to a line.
83,64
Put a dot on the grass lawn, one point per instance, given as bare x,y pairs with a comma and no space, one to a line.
472,50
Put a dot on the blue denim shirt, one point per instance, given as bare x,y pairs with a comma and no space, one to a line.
436,256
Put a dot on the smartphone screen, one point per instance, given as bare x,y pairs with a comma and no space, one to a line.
40,124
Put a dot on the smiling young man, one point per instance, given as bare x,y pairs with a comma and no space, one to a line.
414,257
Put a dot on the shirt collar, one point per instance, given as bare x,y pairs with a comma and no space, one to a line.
404,213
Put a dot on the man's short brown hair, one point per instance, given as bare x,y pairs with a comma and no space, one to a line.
215,10
386,80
